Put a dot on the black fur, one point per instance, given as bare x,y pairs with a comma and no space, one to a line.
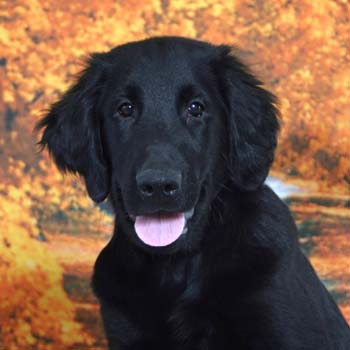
237,279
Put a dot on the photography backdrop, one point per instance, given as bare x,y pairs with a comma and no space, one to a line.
51,232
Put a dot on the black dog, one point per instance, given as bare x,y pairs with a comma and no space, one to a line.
180,136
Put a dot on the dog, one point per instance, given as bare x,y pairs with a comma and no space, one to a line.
180,136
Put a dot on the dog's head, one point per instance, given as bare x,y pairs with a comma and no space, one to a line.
162,125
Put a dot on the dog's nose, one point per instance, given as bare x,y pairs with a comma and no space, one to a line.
160,183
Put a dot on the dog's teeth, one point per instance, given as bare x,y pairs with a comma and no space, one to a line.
189,213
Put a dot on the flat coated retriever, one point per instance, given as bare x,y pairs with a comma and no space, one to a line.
180,136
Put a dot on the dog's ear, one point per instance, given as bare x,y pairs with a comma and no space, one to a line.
253,121
71,131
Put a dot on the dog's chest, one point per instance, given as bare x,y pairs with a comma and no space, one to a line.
172,277
163,288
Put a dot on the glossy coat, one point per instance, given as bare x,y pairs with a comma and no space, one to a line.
237,279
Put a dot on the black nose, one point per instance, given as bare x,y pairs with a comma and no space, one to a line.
160,183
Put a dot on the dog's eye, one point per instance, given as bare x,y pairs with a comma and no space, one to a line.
126,110
195,109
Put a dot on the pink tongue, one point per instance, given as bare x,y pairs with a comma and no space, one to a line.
159,230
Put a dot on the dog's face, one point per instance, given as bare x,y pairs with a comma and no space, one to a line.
162,125
161,120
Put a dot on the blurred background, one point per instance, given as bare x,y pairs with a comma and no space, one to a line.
51,232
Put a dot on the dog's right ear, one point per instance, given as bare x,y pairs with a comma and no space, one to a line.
71,130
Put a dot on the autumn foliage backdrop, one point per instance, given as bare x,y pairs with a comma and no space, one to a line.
51,233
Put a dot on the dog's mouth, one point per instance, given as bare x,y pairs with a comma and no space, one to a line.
163,228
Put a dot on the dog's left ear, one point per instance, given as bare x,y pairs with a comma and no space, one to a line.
72,131
253,121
